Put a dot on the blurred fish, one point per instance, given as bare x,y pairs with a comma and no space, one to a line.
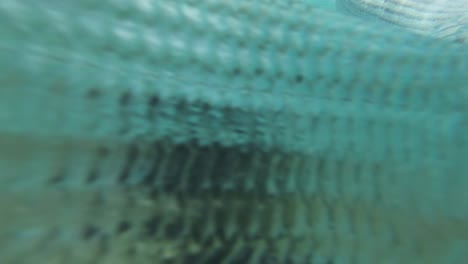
206,131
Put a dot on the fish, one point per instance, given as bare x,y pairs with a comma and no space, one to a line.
234,131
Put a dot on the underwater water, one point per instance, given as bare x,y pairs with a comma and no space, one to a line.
233,131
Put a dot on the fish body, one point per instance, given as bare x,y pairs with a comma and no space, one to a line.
203,131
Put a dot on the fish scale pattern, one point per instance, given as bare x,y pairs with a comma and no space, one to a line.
275,65
134,214
201,132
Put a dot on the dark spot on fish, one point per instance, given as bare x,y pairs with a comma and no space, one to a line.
243,256
92,176
89,232
151,226
93,93
153,194
219,255
153,101
125,98
131,158
268,259
102,152
57,178
299,78
258,72
236,71
150,177
175,229
122,227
